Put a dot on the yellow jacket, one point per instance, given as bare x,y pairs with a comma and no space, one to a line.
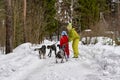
73,35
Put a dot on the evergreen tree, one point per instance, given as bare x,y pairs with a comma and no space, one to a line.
87,12
50,11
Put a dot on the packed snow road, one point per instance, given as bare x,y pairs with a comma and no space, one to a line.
49,70
95,62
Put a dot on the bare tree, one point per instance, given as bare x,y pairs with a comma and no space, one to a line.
8,26
24,27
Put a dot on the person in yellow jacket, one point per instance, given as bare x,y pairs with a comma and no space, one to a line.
73,36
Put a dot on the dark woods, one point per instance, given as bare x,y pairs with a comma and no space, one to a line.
35,20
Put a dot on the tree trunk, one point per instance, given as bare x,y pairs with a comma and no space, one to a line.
9,34
24,27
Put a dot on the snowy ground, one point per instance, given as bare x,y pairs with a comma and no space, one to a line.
95,62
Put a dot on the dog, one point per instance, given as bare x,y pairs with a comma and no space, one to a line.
42,51
52,48
61,54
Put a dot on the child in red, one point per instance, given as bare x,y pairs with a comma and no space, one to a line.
64,42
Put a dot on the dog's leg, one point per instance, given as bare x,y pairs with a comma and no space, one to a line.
43,56
62,61
49,54
55,52
56,60
40,54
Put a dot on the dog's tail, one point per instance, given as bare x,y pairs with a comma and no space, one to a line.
36,49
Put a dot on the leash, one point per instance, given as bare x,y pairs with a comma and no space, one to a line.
55,43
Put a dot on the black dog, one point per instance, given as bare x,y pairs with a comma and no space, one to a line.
61,54
42,51
52,48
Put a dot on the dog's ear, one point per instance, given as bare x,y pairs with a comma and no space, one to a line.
48,46
58,45
43,46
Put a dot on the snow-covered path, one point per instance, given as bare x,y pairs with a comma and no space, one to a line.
74,69
95,62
